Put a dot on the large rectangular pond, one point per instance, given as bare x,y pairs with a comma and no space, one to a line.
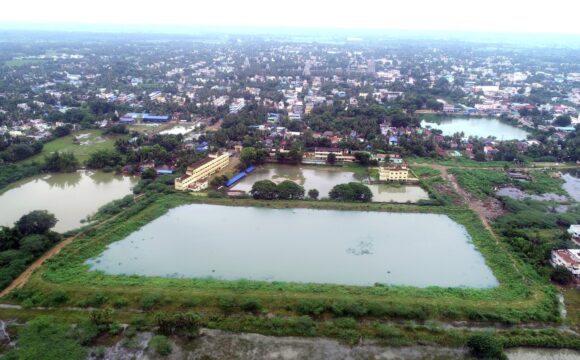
478,127
71,197
324,179
301,245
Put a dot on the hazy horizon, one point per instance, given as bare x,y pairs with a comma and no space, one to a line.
493,17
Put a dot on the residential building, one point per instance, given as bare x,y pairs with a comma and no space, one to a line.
574,230
197,175
341,155
569,258
237,105
395,159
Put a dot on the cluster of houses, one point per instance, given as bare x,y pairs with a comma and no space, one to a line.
569,258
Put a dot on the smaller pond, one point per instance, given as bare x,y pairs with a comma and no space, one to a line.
572,183
479,127
71,197
518,194
301,245
178,130
324,179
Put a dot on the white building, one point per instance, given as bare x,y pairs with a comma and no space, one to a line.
574,231
569,258
237,105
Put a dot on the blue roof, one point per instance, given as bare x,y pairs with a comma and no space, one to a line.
156,118
235,179
250,169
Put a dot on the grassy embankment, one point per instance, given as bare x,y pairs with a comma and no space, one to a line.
386,333
521,297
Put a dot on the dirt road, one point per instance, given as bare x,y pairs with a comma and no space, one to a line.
23,278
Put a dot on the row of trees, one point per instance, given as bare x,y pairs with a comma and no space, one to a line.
353,191
288,190
268,190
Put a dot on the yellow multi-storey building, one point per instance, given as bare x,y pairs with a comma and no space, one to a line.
321,154
196,176
393,173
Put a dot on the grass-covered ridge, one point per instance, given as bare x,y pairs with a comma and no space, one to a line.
522,295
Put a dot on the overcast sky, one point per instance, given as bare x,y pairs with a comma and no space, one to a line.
553,16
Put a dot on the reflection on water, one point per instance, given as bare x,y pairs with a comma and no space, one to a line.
480,127
324,179
62,182
71,197
301,245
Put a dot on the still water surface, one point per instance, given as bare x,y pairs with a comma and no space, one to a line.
301,245
479,127
572,183
324,179
71,197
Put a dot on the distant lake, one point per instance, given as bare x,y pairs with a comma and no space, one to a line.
301,245
480,127
71,197
324,179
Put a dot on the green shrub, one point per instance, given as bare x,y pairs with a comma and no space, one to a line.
304,326
227,303
115,328
309,307
348,308
485,346
56,298
119,302
161,345
86,332
150,301
388,332
251,305
95,300
181,324
48,339
345,323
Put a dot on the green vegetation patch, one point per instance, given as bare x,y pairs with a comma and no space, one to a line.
89,141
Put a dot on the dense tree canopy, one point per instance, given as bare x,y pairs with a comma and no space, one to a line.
289,190
351,192
36,222
61,162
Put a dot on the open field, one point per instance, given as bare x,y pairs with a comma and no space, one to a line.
91,141
521,297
